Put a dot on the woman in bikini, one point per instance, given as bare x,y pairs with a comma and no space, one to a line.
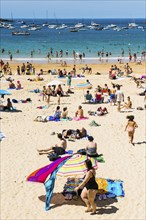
130,127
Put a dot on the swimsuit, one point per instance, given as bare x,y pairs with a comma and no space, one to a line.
91,184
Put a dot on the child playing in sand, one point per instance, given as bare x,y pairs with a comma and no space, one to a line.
130,127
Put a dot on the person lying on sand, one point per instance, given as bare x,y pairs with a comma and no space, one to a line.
59,148
75,134
100,111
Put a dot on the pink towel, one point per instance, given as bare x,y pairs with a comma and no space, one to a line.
78,119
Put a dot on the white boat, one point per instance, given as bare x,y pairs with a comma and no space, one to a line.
132,25
24,26
79,25
111,26
51,26
94,24
45,24
34,28
63,26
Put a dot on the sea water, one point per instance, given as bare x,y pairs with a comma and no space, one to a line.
84,41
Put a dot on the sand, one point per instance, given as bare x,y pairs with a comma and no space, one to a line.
19,157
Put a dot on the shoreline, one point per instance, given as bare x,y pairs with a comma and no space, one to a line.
70,60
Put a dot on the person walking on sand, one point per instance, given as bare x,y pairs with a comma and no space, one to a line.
90,188
130,127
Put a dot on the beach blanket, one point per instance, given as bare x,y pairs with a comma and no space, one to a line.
110,188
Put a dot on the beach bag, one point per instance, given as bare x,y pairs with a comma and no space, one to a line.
140,108
82,151
14,101
53,156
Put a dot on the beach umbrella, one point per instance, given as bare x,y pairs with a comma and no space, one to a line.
4,92
83,86
75,165
55,83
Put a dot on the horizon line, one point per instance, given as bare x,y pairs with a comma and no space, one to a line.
71,18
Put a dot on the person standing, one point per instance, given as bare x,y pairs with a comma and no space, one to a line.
90,188
119,97
69,77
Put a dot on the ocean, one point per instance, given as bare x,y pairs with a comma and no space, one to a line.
86,40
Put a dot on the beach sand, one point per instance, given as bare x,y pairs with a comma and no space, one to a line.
19,157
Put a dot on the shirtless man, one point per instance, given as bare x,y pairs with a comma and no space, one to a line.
79,113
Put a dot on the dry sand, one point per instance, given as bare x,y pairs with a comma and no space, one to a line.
25,200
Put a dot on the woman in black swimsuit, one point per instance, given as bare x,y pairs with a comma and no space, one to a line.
90,188
59,92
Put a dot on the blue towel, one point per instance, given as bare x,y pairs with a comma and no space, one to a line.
49,185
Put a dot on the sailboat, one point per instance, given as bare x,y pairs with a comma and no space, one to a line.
46,23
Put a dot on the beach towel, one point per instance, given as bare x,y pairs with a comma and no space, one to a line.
41,174
42,107
66,119
49,185
2,136
79,119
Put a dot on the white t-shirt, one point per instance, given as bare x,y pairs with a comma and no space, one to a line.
119,95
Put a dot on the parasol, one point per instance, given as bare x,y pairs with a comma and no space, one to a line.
55,83
4,92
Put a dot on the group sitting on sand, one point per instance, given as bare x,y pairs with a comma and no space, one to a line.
71,134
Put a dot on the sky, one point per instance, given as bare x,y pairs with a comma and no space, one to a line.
73,9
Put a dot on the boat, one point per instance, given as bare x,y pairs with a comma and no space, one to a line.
24,26
26,33
94,24
132,25
34,28
111,26
63,26
45,24
51,26
74,30
79,25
